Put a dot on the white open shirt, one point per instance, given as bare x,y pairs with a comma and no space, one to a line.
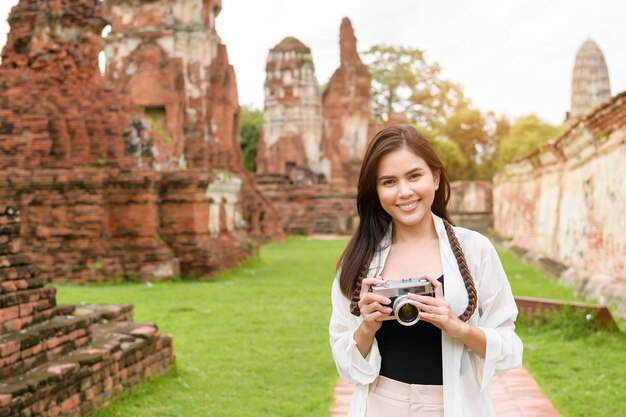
465,374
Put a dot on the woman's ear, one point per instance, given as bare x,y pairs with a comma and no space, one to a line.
436,176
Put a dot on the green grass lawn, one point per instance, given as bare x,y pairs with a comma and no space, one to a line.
254,342
528,281
582,370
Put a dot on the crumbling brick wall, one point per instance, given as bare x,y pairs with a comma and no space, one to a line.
566,202
53,110
64,360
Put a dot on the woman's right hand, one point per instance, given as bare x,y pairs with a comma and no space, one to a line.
372,306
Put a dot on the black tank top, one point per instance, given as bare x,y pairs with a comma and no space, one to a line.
411,354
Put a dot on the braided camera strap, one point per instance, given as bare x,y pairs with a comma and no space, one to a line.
356,294
472,295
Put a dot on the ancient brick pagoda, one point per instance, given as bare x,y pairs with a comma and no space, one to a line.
347,112
105,190
65,360
168,59
591,87
292,129
312,144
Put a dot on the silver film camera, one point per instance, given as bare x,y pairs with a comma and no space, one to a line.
401,308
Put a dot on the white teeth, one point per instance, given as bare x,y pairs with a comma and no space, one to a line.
408,206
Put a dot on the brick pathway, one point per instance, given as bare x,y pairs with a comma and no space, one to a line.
514,394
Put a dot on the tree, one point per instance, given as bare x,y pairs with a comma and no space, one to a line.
452,157
467,128
403,81
497,127
524,136
249,135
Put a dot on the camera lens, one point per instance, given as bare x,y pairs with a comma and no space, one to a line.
406,313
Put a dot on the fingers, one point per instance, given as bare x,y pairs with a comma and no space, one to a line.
439,308
436,284
373,307
373,303
371,297
367,283
430,318
375,316
427,300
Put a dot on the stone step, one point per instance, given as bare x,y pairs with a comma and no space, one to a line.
12,279
23,350
25,307
105,312
120,355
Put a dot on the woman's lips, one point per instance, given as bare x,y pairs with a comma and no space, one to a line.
409,206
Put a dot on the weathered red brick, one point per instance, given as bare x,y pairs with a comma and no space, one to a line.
8,286
52,343
12,325
70,403
54,411
9,313
8,348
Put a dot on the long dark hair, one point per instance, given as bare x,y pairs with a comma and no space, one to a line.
374,220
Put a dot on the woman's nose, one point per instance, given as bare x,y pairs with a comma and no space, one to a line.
404,189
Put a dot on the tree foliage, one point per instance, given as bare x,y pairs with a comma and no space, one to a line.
249,135
523,137
452,157
472,144
403,81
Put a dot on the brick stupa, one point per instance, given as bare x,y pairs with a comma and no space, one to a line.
65,360
347,112
312,145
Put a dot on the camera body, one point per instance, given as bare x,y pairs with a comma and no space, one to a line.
402,308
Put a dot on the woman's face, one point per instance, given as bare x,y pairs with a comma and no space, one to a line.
406,186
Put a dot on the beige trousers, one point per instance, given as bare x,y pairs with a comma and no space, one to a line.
390,398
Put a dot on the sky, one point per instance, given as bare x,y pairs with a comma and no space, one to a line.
513,57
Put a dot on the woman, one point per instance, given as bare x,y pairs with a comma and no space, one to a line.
442,365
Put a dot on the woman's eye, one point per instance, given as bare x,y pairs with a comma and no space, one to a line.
388,182
414,176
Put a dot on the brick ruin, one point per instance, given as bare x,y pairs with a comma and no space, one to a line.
65,360
168,59
471,205
312,144
347,112
104,189
292,125
564,204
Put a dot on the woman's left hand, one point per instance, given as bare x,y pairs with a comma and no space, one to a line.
437,311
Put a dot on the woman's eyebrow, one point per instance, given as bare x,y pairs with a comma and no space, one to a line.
414,170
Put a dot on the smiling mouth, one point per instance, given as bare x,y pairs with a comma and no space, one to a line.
408,206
